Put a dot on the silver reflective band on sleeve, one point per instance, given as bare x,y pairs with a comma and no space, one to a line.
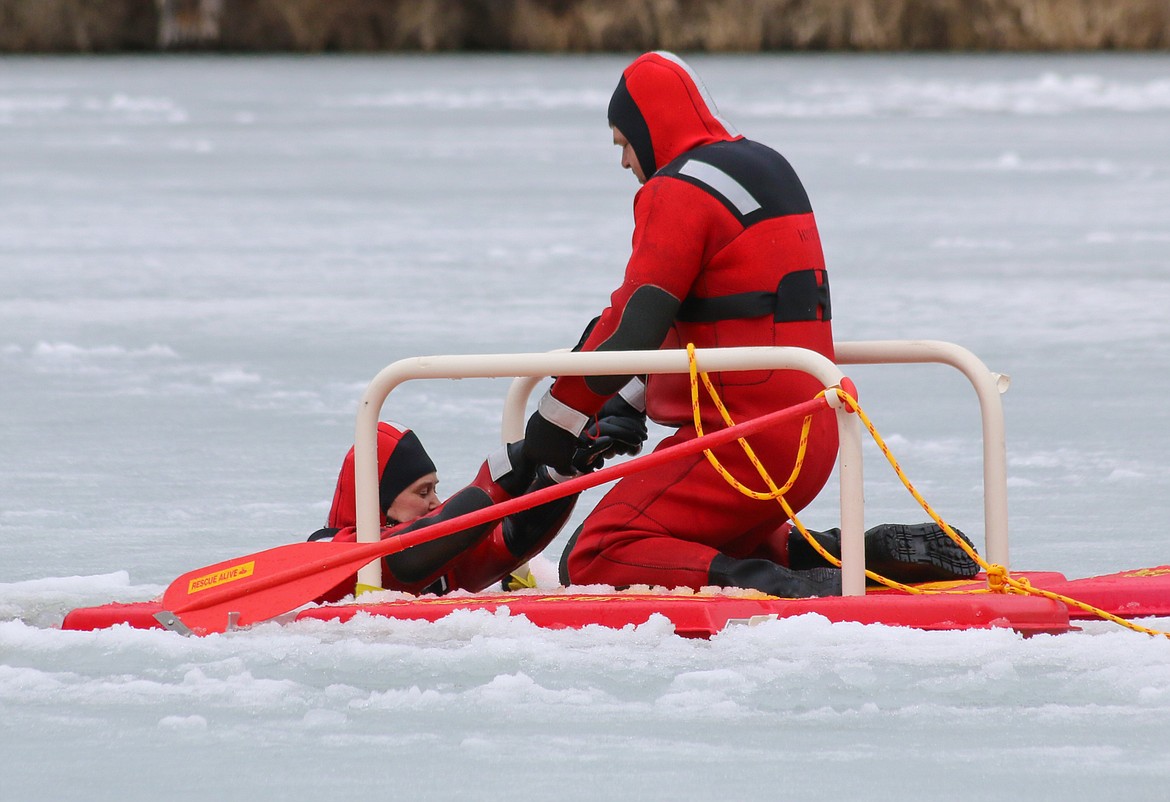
498,463
635,394
562,415
722,183
557,476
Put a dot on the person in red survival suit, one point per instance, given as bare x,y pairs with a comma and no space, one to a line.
475,558
725,253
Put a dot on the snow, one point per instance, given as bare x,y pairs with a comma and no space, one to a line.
204,259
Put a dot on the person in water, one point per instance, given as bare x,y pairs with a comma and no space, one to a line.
725,252
478,557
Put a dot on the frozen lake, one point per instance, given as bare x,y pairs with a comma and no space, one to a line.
203,261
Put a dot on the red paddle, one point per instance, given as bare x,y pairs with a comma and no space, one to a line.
266,584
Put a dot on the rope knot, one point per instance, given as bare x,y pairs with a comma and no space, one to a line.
997,578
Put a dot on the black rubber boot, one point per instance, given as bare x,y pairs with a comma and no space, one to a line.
774,579
902,552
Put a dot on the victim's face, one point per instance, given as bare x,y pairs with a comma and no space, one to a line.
419,498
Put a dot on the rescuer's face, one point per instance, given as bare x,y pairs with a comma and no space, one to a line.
629,158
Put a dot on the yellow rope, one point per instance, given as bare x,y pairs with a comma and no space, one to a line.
773,491
999,580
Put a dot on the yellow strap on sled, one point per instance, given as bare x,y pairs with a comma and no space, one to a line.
520,578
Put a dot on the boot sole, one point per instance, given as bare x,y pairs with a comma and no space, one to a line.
917,553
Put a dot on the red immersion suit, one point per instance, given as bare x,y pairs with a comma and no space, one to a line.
725,253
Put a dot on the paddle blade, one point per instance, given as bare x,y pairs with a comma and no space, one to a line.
260,586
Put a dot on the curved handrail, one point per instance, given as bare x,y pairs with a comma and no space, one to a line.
603,363
988,386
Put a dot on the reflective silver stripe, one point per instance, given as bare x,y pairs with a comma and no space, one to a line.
635,394
556,476
722,183
498,463
562,415
703,93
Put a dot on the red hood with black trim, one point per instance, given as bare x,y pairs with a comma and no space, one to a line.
411,462
663,109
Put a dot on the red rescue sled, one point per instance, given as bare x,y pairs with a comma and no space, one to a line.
961,605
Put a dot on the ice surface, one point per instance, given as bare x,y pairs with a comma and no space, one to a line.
204,260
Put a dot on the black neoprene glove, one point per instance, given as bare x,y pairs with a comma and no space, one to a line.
549,443
619,407
619,429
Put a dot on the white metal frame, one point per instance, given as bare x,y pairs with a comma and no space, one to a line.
530,369
989,386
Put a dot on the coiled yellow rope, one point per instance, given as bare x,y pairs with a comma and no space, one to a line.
999,579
